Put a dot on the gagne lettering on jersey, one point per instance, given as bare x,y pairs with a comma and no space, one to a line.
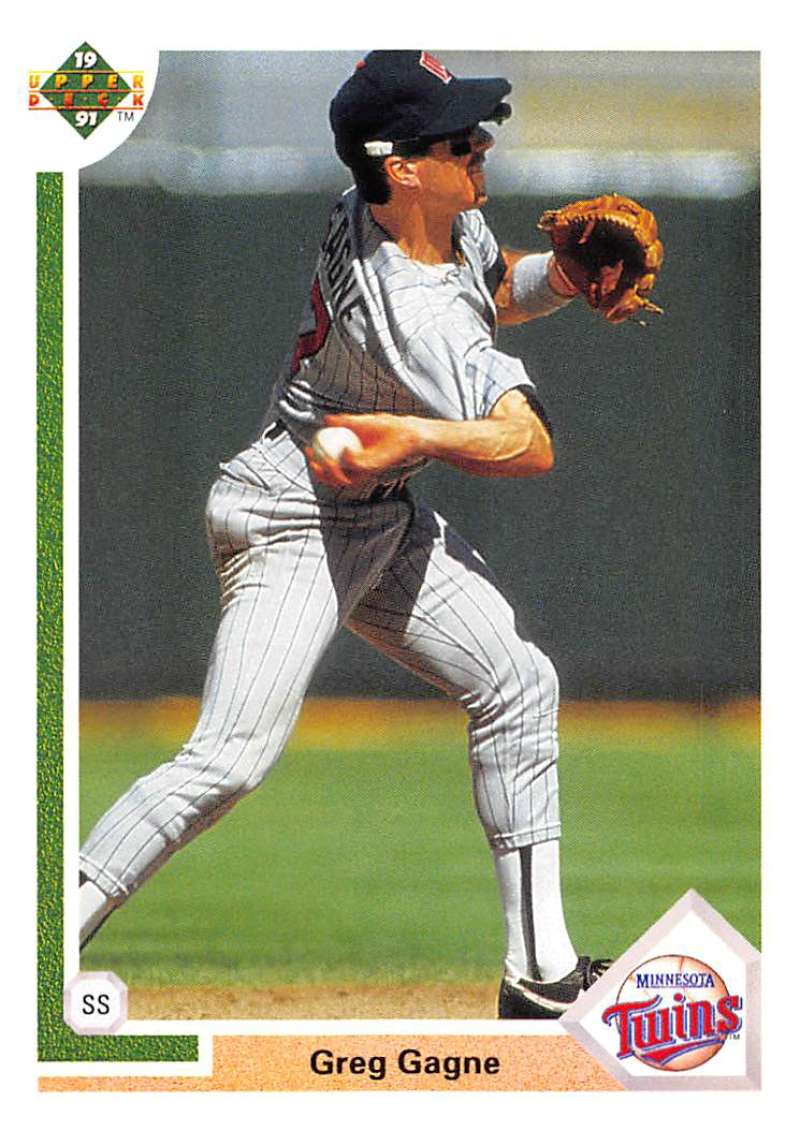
336,266
410,1062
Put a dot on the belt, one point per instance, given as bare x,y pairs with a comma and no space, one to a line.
386,491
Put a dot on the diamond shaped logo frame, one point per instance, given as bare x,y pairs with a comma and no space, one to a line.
687,919
85,89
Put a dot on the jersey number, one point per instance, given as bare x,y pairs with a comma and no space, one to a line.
313,340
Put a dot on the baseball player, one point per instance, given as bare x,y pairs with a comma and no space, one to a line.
396,345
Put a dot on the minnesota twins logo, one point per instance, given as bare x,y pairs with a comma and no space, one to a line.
674,1013
432,64
84,90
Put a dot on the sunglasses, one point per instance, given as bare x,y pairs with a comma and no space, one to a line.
460,142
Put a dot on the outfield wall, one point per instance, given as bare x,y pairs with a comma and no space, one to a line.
634,564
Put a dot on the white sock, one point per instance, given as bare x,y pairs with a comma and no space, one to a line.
95,906
538,945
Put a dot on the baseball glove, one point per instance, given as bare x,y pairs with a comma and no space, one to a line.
608,248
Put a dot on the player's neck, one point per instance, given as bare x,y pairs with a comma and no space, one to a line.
422,235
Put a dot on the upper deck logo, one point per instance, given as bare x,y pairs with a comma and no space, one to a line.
85,89
674,1013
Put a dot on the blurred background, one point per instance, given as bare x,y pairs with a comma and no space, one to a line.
634,564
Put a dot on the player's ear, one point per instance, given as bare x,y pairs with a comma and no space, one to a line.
401,171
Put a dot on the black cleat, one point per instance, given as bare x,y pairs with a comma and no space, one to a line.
525,999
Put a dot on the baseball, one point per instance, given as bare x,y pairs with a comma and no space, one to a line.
330,443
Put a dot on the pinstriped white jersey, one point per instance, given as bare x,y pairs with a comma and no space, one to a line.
384,333
297,560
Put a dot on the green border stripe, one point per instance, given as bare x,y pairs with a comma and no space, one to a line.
57,1042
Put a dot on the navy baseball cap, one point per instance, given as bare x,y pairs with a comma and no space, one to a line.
406,95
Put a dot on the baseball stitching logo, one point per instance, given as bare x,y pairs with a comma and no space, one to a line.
674,1013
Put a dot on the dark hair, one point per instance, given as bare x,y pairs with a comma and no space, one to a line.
369,173
370,178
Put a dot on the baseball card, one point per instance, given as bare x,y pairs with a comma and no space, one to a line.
397,475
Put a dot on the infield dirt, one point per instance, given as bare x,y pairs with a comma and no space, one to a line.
360,1001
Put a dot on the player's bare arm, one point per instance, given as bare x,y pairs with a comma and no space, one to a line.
510,312
511,442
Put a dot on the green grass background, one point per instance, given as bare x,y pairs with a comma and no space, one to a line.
370,864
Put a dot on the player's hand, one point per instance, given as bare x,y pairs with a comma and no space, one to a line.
388,442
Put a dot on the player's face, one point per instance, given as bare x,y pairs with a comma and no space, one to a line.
451,173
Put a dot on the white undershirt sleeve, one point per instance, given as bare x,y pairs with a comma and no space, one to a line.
530,289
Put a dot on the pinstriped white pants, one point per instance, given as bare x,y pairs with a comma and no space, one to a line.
295,562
